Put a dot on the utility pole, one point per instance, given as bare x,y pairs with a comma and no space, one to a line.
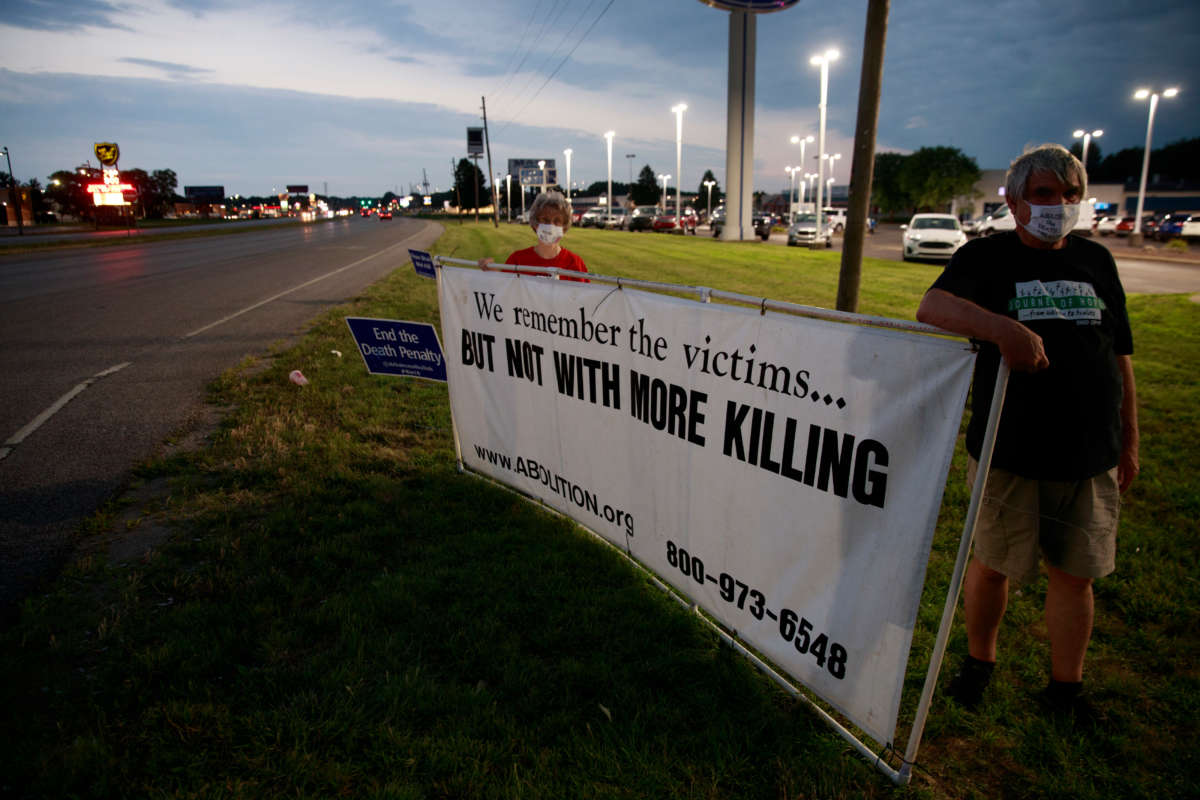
457,193
863,165
495,188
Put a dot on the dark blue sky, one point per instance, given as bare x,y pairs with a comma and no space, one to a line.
364,97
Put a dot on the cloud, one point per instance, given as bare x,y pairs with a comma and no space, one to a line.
61,15
174,71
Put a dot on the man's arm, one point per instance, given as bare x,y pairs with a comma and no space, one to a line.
1128,467
1020,347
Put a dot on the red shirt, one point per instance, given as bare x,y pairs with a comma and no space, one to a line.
564,260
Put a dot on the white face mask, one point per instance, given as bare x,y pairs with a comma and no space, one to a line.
1051,223
549,234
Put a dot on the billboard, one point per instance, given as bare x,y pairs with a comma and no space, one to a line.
474,141
527,171
205,194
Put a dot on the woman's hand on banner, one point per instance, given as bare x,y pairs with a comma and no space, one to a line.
485,262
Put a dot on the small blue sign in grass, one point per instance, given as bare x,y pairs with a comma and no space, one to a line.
397,347
423,263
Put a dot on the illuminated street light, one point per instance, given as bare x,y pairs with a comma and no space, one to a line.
508,197
542,167
608,137
568,153
664,179
791,171
1135,238
678,110
802,141
1087,138
708,185
822,61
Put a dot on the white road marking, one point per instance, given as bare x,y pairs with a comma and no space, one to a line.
286,292
54,408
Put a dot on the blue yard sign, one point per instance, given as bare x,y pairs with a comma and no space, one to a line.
395,347
423,263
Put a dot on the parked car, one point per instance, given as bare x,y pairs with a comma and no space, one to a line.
836,217
667,221
971,226
592,217
1171,226
932,236
642,219
999,220
616,219
1108,225
804,231
762,223
1191,227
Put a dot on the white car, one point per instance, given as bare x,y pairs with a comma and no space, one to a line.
999,220
804,231
932,236
1107,225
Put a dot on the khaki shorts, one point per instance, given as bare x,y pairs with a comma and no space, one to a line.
1072,524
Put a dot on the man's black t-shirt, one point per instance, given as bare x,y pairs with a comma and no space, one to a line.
1063,423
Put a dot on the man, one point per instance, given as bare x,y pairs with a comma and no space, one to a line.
1052,306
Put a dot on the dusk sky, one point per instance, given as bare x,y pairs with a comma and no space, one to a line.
360,97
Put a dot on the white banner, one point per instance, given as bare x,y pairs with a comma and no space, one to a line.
783,472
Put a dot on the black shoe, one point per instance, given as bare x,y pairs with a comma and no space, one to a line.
966,688
1067,701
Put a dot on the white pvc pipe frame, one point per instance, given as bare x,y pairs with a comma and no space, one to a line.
903,775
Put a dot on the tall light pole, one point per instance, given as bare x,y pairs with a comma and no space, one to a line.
1135,238
542,185
791,171
608,137
822,61
802,141
1087,138
568,153
829,180
664,179
12,185
678,110
708,185
811,177
508,197
630,157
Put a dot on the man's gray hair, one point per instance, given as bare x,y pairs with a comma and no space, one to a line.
553,201
1044,158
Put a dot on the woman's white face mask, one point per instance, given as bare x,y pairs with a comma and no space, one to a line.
1053,222
549,234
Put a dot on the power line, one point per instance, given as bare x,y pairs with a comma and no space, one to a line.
560,66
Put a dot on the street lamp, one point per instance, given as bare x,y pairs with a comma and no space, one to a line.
664,179
811,177
542,167
829,181
678,110
631,157
1135,238
608,137
1087,138
822,61
791,171
12,184
508,197
708,185
802,141
568,153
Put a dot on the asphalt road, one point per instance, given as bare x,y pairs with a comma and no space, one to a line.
105,352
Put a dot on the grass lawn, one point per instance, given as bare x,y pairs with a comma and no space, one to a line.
338,612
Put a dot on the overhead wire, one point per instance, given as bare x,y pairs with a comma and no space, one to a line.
520,44
565,58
